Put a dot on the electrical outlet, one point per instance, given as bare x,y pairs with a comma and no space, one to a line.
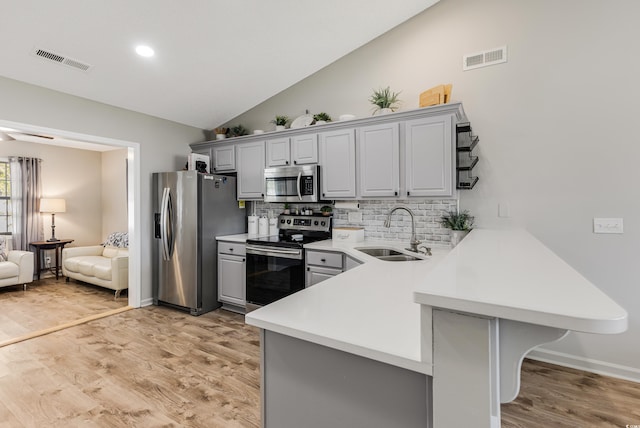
47,261
607,225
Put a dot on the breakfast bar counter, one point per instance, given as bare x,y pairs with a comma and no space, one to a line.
449,329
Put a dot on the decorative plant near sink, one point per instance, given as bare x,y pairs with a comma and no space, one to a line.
460,223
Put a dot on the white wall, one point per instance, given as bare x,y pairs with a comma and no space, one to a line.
73,175
164,145
114,192
556,124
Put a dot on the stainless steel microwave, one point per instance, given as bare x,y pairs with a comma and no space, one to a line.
292,184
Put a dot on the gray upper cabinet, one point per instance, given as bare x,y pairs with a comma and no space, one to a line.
251,163
403,154
224,158
338,164
304,149
428,159
278,152
379,160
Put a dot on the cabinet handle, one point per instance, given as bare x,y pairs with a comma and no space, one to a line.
215,169
395,193
408,193
308,269
323,195
323,260
231,249
286,162
295,162
262,194
243,260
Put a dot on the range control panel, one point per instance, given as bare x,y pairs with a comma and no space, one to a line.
317,223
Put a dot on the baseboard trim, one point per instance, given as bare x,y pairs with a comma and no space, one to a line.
586,364
146,302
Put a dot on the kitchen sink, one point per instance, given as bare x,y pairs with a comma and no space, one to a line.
388,254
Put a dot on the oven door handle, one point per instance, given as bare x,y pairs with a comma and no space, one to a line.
272,251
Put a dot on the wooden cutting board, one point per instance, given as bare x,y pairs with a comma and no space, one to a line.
439,94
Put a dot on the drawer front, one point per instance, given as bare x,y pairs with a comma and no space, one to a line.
231,248
320,258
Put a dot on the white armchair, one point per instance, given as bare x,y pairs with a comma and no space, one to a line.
17,269
103,266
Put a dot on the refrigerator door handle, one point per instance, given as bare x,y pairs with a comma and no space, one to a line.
166,221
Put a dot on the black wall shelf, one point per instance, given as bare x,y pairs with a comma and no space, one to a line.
465,160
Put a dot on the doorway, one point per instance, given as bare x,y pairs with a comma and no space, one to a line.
133,193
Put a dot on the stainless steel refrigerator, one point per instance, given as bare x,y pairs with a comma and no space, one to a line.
190,210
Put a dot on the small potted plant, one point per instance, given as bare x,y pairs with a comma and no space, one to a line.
384,100
238,131
280,122
287,210
221,133
321,118
326,210
460,224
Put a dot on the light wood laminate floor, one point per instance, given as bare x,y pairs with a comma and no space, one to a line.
158,367
49,302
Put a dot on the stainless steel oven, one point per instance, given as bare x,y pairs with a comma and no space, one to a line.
273,273
292,184
275,264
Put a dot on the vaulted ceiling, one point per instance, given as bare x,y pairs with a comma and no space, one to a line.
214,59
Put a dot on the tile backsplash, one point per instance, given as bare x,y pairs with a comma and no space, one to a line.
427,214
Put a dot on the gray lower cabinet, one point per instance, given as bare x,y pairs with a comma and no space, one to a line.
312,386
321,265
232,275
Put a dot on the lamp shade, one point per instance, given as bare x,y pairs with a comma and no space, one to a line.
52,205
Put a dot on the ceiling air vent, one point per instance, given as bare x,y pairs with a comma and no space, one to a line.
484,58
61,59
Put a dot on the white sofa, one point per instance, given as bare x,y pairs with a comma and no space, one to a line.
104,266
17,269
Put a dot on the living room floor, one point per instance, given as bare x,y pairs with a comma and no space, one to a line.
156,366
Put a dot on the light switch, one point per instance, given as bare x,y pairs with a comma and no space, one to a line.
355,217
607,225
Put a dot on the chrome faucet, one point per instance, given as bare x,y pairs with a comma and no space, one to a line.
414,241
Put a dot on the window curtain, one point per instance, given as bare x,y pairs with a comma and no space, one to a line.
26,191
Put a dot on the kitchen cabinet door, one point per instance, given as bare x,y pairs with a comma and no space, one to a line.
278,152
317,274
224,158
379,160
250,170
429,156
231,279
338,164
304,149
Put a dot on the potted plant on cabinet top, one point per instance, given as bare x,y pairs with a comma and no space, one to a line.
385,100
460,224
221,133
238,131
321,118
280,122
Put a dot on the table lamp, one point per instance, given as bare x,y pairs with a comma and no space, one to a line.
52,206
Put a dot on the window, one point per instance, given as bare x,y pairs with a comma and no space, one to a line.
5,199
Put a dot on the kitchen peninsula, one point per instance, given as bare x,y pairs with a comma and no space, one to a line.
431,343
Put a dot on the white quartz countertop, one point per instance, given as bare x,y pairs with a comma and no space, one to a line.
510,274
374,310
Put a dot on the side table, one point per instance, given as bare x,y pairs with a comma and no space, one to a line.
49,245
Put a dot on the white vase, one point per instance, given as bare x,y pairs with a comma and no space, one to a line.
320,122
279,127
457,236
220,136
385,111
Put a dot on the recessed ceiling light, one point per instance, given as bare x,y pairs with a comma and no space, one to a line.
144,51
